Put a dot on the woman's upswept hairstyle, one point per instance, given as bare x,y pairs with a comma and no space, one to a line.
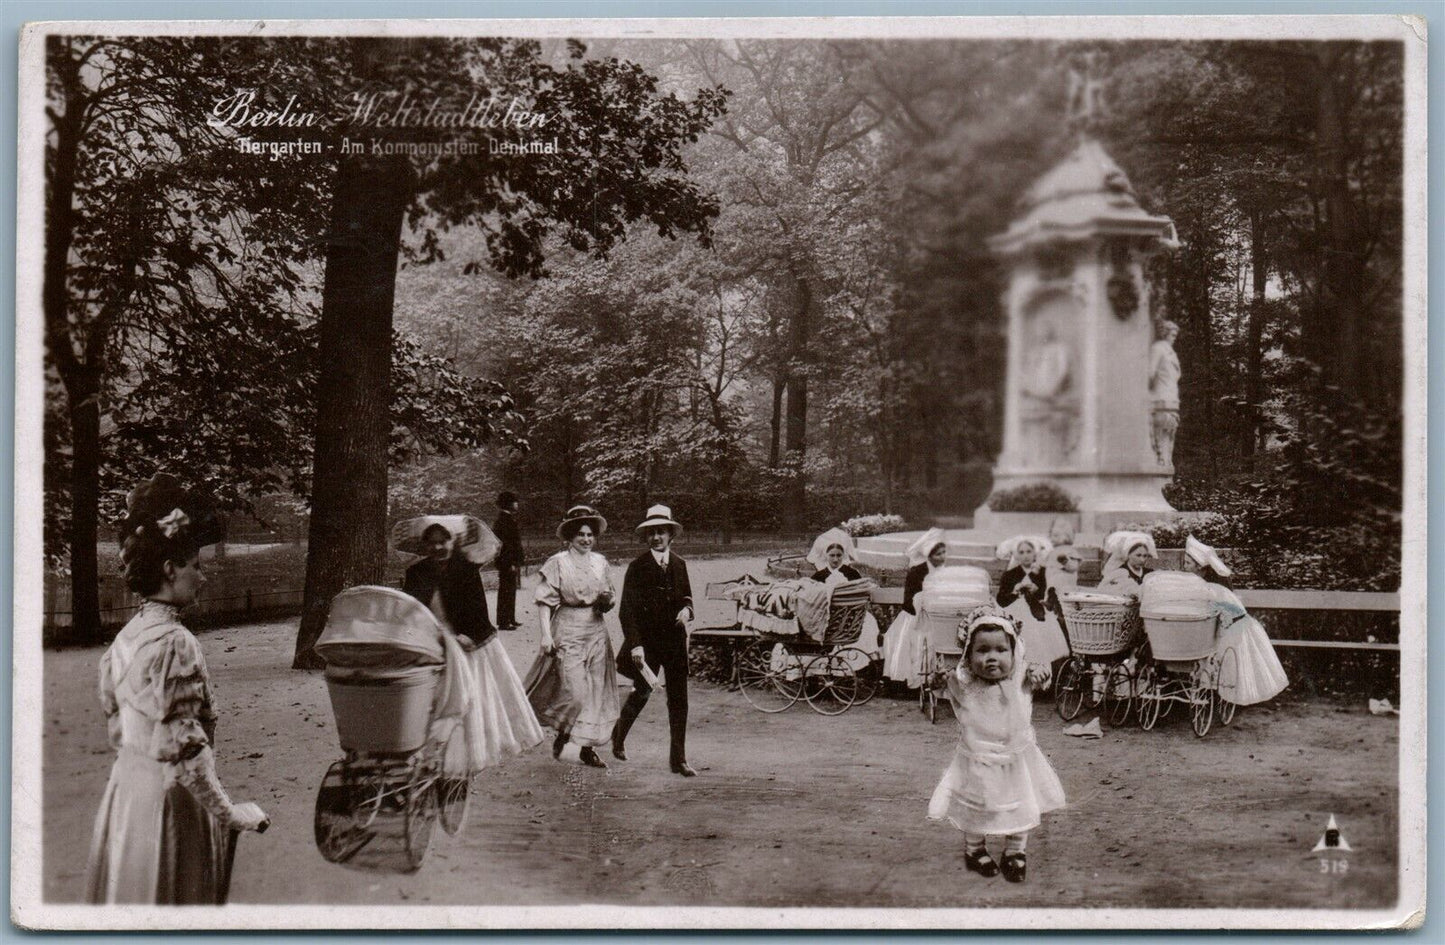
163,522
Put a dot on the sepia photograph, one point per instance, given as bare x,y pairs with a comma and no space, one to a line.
879,473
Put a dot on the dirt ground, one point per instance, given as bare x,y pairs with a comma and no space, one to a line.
788,809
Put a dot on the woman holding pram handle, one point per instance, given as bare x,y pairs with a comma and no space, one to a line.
166,830
500,720
573,683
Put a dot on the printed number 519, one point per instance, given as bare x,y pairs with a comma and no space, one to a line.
1334,866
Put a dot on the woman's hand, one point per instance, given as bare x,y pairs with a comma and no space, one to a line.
248,816
548,645
603,603
1038,675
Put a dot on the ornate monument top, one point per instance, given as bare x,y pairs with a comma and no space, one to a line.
1085,195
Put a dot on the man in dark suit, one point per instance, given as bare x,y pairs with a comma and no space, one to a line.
656,608
509,561
463,600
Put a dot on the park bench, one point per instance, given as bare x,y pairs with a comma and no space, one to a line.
1264,600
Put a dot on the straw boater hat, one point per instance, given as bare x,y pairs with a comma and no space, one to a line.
659,515
919,551
818,556
1205,556
473,539
1008,549
583,513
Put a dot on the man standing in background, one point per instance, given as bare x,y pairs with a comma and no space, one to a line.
509,561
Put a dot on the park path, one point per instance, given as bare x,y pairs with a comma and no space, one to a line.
789,809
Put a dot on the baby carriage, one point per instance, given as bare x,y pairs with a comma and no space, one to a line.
947,597
1103,634
405,764
1183,661
784,664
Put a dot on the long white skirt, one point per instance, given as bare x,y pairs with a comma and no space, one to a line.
903,651
1261,677
1044,640
507,724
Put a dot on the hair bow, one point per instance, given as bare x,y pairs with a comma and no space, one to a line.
173,522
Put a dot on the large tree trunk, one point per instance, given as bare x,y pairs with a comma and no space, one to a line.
353,404
81,380
83,391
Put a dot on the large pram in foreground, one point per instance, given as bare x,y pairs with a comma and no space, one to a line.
405,762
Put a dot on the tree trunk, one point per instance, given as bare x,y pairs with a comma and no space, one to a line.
81,380
83,391
353,403
795,498
1343,277
1252,440
775,440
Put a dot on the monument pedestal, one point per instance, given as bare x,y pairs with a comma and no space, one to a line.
1078,408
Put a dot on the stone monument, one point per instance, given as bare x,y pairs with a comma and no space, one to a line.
1092,399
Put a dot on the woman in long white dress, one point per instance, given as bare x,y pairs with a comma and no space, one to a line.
1023,591
573,684
903,644
500,721
1261,677
166,829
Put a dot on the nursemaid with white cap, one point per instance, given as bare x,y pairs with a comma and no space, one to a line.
1261,676
903,644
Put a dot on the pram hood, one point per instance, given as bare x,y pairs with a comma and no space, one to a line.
381,628
1176,593
955,589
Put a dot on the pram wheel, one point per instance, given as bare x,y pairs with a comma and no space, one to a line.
830,686
1227,688
1151,696
338,834
867,673
420,817
771,681
1069,689
454,783
1119,694
1201,696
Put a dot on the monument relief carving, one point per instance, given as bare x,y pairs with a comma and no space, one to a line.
1050,395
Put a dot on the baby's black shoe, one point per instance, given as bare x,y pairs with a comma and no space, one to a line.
981,863
1014,865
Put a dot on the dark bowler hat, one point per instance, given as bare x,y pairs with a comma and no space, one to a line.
506,500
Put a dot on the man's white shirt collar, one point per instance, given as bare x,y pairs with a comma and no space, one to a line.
661,559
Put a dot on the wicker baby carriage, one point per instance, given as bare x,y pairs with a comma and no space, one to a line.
1102,631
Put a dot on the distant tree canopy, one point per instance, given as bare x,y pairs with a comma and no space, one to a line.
832,345
845,321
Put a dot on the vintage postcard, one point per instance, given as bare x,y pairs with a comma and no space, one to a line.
760,473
